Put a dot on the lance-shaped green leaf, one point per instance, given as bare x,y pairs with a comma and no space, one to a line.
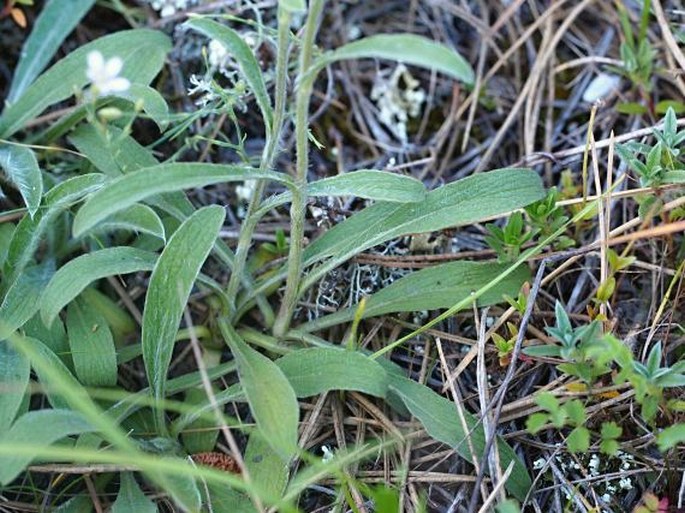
271,398
365,183
316,370
138,218
39,428
29,231
142,51
21,167
406,48
126,190
172,279
439,286
131,498
241,52
439,417
152,102
23,298
92,345
53,25
462,202
14,378
76,275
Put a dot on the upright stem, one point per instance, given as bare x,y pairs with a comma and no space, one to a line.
297,207
272,140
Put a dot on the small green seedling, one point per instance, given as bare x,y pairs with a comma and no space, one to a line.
574,348
508,242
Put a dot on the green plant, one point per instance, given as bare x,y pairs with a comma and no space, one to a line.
508,241
662,163
112,208
575,349
546,217
636,51
571,413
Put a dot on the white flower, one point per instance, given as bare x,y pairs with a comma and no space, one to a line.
217,53
600,87
104,75
327,454
245,192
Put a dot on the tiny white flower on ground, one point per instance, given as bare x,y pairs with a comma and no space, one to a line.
600,87
104,74
327,454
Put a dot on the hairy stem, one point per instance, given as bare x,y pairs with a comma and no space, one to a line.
273,138
297,207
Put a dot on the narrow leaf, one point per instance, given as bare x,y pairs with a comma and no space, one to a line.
462,202
14,378
50,29
92,346
271,398
439,417
440,286
172,279
370,184
151,101
142,50
39,428
29,232
76,275
316,370
241,52
22,299
137,218
268,472
123,192
131,498
21,167
406,48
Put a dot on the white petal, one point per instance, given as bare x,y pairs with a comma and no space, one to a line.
113,67
96,64
600,87
115,85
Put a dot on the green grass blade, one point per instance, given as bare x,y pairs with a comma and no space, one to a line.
50,29
92,346
142,50
41,428
317,370
439,286
14,378
126,190
439,417
131,498
241,52
21,167
76,275
406,48
172,279
271,398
